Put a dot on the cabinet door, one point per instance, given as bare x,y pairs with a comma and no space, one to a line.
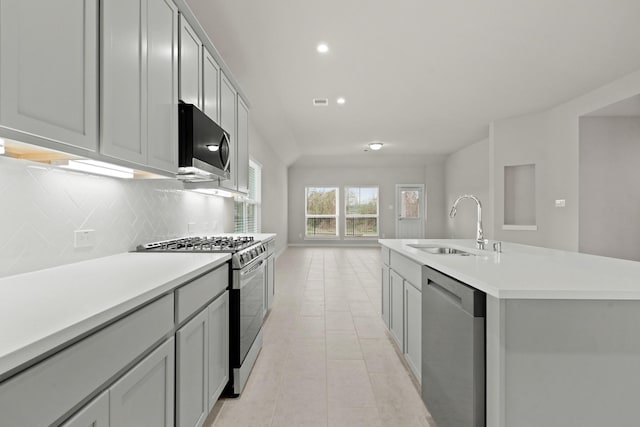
243,147
271,280
94,414
124,89
162,83
396,316
49,69
191,371
218,312
228,123
210,86
190,65
385,295
144,395
413,328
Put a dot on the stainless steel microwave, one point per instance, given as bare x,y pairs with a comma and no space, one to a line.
203,146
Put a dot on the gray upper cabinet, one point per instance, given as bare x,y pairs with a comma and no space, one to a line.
190,65
243,147
211,84
162,84
139,82
49,69
228,112
123,89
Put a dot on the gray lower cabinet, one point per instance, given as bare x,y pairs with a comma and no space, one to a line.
49,71
218,312
402,306
270,278
94,414
192,371
144,396
396,319
385,310
202,362
413,328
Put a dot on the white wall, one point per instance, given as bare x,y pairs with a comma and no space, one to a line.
274,188
609,205
41,207
467,172
550,140
385,177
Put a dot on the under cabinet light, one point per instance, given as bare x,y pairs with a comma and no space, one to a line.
99,168
213,192
323,48
375,146
213,147
2,150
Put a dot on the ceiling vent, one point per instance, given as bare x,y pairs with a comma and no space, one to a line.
320,102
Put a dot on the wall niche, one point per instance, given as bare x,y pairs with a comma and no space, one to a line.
520,197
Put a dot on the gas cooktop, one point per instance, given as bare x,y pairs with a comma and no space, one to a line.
228,244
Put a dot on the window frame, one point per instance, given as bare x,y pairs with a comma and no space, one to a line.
243,202
336,216
348,216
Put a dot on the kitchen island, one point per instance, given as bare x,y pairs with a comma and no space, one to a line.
562,330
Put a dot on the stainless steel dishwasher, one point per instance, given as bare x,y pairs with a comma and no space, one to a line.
453,350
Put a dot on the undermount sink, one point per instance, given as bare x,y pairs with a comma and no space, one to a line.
441,250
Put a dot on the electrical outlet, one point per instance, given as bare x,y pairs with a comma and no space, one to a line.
561,203
84,238
191,227
300,236
383,235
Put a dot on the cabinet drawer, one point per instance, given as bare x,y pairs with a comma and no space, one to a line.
409,270
197,293
45,392
385,255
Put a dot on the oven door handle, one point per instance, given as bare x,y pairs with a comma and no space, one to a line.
246,275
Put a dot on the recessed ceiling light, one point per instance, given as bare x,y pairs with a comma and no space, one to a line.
323,48
375,146
341,100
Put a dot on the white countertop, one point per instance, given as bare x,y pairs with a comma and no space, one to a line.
529,272
41,310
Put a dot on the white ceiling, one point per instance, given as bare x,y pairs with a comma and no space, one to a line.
424,76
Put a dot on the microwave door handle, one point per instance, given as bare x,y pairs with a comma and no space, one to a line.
226,139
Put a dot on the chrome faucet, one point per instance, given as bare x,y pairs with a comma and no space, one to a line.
480,240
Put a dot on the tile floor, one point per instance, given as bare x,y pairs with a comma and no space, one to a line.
327,359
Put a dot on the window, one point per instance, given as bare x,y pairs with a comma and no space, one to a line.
247,209
361,212
321,211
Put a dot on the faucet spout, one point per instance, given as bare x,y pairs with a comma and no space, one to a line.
480,240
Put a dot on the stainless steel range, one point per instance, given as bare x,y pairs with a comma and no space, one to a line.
246,295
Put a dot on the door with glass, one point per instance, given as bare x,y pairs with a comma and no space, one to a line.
410,208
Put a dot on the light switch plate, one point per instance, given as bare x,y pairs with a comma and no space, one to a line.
84,238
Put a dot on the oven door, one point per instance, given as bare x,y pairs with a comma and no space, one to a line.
251,289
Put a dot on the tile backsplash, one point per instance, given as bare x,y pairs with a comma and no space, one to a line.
41,207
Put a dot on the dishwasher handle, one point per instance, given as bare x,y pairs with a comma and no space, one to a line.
466,297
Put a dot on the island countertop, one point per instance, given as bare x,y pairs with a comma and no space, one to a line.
529,272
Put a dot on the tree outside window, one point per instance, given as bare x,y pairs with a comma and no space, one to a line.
361,211
321,214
